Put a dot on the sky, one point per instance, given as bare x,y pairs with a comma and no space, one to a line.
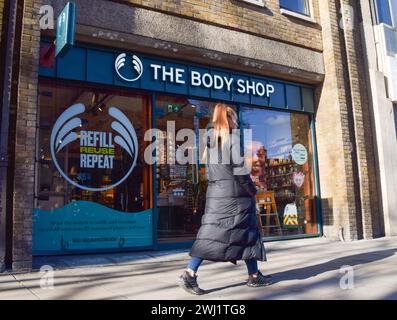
271,129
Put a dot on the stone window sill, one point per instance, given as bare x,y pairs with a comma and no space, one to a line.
259,3
297,15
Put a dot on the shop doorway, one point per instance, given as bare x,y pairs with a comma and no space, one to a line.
181,188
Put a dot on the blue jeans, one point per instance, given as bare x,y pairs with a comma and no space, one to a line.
252,265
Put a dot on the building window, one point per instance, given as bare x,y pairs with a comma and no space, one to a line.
386,11
297,6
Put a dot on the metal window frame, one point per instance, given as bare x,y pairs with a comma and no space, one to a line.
391,14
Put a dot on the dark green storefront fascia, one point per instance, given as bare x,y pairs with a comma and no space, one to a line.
89,64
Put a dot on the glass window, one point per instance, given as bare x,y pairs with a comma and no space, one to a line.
92,182
383,11
299,6
282,169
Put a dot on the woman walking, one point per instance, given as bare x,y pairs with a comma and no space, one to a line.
229,229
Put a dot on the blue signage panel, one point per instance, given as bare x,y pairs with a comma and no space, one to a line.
65,29
134,70
88,226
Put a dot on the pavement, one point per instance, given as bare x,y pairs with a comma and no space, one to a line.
308,269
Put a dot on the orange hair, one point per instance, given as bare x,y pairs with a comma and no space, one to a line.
220,119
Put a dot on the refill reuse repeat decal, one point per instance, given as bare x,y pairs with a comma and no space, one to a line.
96,149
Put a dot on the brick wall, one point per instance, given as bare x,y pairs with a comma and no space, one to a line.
266,22
25,137
362,122
344,134
333,136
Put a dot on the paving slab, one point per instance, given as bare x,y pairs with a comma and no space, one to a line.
301,269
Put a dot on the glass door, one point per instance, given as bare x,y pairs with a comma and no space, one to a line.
181,187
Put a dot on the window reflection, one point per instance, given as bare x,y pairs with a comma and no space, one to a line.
282,170
299,6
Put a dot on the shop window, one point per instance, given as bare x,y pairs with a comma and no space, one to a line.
297,6
93,187
282,169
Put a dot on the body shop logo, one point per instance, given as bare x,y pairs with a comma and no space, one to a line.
97,150
128,68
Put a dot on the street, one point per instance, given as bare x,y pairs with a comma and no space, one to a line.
301,269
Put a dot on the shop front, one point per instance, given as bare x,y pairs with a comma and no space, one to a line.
97,191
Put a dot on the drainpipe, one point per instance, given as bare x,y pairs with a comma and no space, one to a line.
4,126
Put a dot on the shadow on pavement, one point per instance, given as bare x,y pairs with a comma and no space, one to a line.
225,287
107,259
335,264
391,296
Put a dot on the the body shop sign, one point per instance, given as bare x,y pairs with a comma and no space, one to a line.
129,68
210,81
140,71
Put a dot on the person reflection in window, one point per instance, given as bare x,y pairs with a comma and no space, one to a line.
259,169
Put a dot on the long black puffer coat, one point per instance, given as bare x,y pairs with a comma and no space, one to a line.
229,229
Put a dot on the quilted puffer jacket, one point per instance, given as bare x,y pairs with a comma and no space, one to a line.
229,229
